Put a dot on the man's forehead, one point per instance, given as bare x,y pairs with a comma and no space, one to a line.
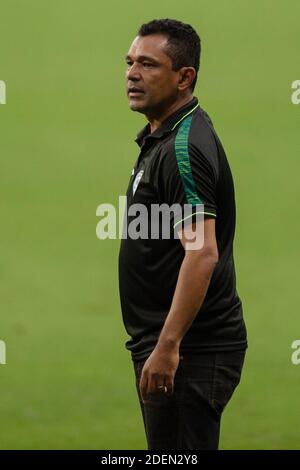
152,45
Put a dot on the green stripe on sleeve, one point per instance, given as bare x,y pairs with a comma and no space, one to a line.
183,162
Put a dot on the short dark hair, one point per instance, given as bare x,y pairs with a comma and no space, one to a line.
184,44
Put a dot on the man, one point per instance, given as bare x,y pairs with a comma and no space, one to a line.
179,305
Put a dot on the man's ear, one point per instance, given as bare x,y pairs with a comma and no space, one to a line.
186,77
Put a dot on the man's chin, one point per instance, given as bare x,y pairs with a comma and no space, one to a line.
136,105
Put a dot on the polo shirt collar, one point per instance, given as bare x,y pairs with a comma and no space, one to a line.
168,124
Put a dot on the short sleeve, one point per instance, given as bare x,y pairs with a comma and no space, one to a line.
187,177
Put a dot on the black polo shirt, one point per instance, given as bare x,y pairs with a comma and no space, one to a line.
181,162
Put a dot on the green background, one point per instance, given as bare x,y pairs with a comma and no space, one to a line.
67,145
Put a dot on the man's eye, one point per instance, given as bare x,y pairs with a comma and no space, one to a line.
147,64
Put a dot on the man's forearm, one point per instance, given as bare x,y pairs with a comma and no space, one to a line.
192,284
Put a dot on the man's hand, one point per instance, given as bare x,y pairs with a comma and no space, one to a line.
158,372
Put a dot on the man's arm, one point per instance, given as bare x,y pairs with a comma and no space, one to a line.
192,284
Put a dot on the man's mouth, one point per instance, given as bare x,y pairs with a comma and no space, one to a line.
135,91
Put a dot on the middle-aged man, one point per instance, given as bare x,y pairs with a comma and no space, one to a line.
179,305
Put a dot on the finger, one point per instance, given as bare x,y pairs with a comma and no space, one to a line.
169,386
151,389
143,387
160,386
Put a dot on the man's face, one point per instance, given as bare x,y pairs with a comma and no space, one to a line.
151,82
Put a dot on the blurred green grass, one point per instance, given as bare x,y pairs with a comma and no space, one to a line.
67,145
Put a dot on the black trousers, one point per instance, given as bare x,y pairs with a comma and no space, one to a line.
190,418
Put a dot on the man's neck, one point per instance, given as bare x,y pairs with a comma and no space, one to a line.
155,122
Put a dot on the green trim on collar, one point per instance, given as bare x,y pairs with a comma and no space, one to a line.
183,117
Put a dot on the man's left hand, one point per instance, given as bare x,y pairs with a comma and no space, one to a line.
158,372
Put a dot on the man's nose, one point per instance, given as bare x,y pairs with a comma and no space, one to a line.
133,72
